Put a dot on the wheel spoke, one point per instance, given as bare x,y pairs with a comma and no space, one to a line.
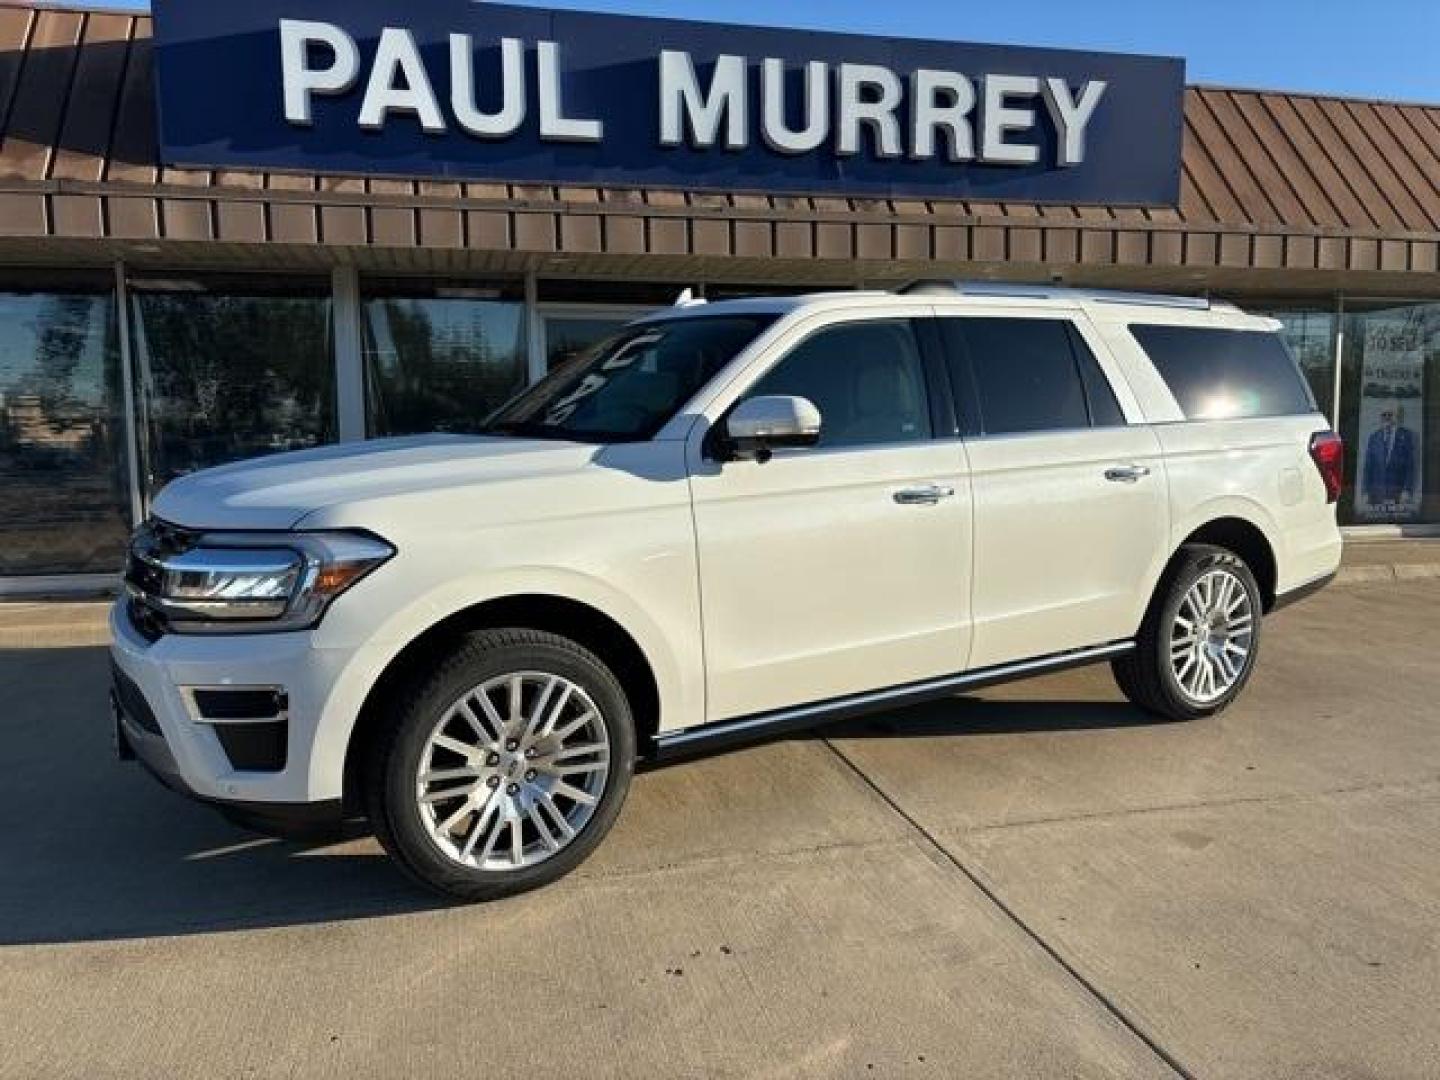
516,704
466,807
497,830
455,746
543,828
557,712
581,751
582,770
538,711
440,776
488,811
517,843
574,725
570,791
430,798
566,829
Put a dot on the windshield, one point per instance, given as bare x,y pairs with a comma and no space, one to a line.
628,388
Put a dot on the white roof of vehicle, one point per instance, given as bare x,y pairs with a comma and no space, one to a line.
1101,305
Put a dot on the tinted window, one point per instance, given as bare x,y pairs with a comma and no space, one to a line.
629,387
866,379
1022,374
1104,409
1222,374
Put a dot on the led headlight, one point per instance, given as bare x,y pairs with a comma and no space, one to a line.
237,582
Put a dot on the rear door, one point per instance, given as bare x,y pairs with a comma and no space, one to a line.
1071,511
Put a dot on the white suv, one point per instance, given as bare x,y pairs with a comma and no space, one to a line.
728,521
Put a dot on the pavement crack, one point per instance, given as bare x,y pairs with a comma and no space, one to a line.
1205,804
1101,998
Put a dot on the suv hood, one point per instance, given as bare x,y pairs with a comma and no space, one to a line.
277,492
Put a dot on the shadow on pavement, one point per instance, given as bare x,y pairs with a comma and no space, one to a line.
977,716
94,849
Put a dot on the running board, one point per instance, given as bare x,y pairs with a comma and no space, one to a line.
765,725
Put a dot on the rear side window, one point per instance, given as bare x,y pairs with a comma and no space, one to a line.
1220,374
1016,376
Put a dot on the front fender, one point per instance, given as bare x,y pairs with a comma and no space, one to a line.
677,677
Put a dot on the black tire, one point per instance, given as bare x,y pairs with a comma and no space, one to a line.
395,754
1146,675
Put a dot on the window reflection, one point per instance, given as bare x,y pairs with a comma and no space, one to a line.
440,359
63,490
570,337
1310,333
231,370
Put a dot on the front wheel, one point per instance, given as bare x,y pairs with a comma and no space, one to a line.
1198,645
504,768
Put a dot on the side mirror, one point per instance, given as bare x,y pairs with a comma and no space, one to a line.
759,426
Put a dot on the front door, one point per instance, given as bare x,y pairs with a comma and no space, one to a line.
843,568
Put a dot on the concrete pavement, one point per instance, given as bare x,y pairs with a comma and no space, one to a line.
1036,881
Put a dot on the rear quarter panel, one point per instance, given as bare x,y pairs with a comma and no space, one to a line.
1258,470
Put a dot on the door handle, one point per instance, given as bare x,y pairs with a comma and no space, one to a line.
1127,474
928,495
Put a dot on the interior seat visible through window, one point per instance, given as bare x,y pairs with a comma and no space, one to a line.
867,380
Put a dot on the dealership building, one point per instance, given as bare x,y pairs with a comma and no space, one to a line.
238,229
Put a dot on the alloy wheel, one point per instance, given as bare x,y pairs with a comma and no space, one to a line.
513,771
1212,636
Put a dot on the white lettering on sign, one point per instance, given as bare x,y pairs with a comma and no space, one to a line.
950,116
991,118
1072,117
774,130
400,84
506,120
684,105
302,82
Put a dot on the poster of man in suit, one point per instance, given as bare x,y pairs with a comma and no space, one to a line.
1391,421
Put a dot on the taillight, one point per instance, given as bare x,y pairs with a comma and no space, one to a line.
1327,450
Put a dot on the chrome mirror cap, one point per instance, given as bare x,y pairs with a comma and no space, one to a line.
774,421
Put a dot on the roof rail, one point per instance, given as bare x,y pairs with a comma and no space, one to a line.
1021,291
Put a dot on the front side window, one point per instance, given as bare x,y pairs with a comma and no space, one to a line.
867,379
1024,376
628,388
1218,374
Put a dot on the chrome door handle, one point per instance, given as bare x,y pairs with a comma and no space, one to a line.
928,495
1127,474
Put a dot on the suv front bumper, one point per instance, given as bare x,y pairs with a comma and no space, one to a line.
163,716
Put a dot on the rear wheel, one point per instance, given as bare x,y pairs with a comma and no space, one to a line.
1200,639
504,768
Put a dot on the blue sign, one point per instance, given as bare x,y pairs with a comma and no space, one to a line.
456,89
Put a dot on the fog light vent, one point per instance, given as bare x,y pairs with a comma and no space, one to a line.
251,722
255,747
266,703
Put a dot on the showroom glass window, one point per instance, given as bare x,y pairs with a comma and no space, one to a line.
1309,330
231,368
441,357
1390,413
63,483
